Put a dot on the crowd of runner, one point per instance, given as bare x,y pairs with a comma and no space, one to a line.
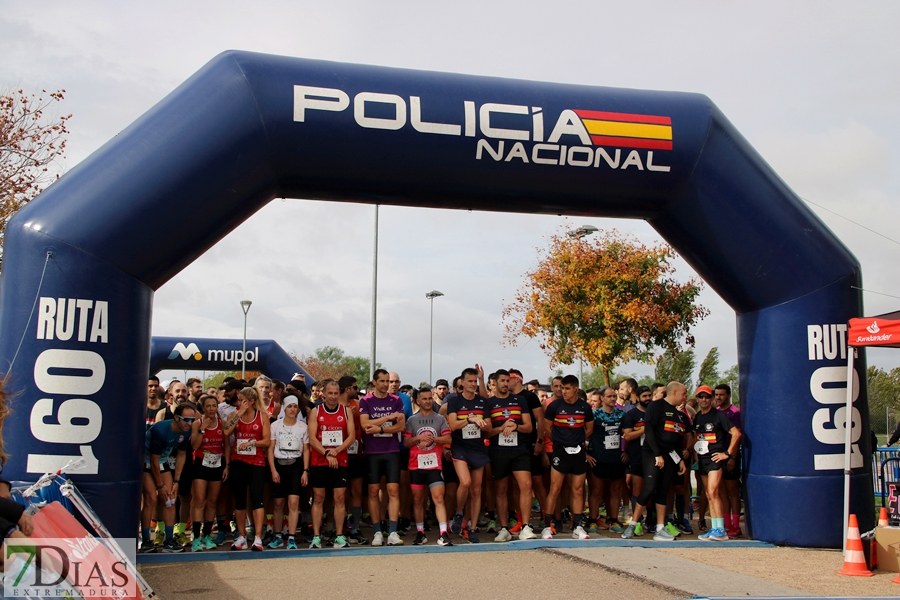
266,464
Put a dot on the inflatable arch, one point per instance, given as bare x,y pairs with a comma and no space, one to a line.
80,264
209,354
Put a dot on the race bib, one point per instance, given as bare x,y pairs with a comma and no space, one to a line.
288,441
471,432
427,461
332,439
702,447
249,450
386,424
510,440
212,460
573,449
354,447
171,462
675,456
611,442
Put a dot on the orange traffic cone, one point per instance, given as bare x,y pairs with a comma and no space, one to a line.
883,518
896,579
854,558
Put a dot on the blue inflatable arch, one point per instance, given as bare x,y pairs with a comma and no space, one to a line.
248,128
216,354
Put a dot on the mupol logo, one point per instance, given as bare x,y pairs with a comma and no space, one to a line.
233,356
186,352
873,328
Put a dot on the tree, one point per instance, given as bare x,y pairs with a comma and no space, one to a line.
673,365
30,148
330,362
605,300
709,369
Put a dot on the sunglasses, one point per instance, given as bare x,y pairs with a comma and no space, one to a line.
188,420
704,395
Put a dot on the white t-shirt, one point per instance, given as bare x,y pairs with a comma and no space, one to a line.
289,441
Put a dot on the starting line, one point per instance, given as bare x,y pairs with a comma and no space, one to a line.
220,555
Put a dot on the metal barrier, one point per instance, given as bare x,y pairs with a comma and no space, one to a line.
883,454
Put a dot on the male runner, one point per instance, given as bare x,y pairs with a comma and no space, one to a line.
731,500
382,417
540,462
607,459
426,434
405,523
717,441
570,423
153,401
633,432
510,422
440,391
664,429
356,459
627,394
466,413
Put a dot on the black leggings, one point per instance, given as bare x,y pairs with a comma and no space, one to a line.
656,479
242,476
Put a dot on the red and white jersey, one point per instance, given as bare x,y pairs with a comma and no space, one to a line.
245,432
331,431
213,441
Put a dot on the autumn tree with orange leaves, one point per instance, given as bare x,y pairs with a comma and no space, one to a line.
31,145
604,299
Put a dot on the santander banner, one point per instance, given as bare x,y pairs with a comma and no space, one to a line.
874,332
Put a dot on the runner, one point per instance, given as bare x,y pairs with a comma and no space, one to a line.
510,424
289,464
633,432
212,453
664,428
731,499
441,389
356,459
153,402
540,462
382,418
569,422
426,435
250,425
607,459
161,440
466,414
717,441
331,432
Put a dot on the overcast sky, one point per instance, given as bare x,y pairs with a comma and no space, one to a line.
812,85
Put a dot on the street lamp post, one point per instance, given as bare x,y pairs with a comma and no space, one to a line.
245,306
374,299
431,296
583,231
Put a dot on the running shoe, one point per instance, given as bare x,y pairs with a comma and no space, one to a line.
160,538
517,528
580,534
316,543
492,526
735,532
592,528
470,536
547,534
394,540
444,540
685,527
277,543
527,533
208,543
420,539
629,531
269,537
356,537
378,539
405,525
197,545
483,520
147,547
616,527
181,539
701,526
705,536
456,524
240,543
663,535
220,537
638,529
672,530
257,544
340,542
503,535
291,544
171,547
718,535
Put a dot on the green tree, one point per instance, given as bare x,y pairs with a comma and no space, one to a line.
330,362
709,369
604,299
673,365
733,380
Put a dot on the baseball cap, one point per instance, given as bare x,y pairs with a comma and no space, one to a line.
234,384
705,388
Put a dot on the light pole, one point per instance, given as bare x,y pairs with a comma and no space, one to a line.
431,296
374,299
245,306
583,231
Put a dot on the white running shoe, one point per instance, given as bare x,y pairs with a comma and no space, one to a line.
527,533
580,534
547,534
503,535
378,539
394,540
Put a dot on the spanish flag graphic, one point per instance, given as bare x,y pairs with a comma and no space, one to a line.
626,130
